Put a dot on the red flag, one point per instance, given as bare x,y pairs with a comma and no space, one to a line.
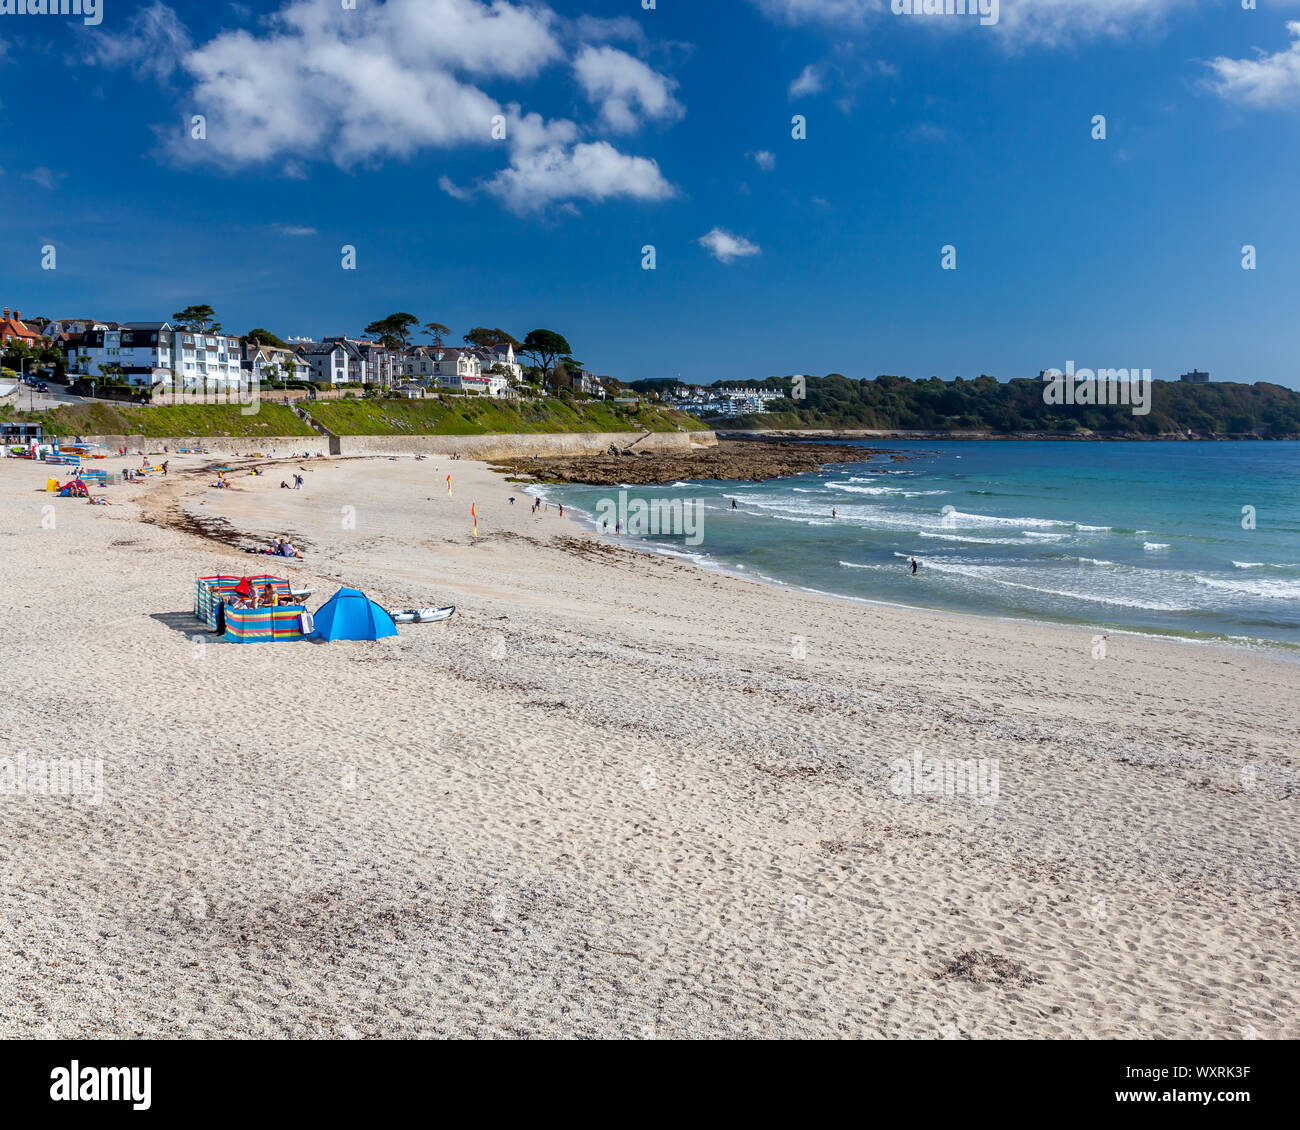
473,513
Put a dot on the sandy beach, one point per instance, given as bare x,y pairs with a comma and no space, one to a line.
615,796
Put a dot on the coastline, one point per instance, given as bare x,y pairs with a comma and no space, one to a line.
1008,437
1254,646
615,794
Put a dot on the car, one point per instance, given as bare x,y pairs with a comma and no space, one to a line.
42,387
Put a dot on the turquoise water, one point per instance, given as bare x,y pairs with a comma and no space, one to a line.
1149,537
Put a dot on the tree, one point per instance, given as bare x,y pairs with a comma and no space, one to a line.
437,331
481,337
395,328
198,319
546,347
265,337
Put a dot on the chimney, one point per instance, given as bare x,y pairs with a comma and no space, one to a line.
17,316
6,311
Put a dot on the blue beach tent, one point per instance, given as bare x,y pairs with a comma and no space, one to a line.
351,615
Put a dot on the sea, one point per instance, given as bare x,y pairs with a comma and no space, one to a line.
1199,541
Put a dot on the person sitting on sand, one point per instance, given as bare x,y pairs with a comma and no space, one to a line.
270,598
288,549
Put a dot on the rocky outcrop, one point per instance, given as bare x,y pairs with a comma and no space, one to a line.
744,460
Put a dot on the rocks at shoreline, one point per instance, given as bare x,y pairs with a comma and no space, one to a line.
742,460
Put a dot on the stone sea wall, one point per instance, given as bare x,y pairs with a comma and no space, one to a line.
515,446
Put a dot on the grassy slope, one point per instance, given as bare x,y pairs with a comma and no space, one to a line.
454,416
474,416
108,418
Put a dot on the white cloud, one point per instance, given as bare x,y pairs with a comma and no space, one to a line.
1266,81
928,131
317,82
46,178
608,29
811,80
293,229
452,189
817,11
624,87
589,171
727,247
153,41
1020,22
765,160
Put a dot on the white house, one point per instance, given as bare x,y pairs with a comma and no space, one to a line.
369,362
60,326
503,355
207,359
268,362
144,353
326,361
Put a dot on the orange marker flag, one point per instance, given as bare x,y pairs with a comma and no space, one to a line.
473,513
448,486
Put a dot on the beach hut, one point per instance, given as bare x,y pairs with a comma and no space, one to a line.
351,615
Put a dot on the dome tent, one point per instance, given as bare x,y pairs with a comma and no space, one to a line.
351,615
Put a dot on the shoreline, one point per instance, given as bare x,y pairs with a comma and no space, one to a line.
796,434
1256,646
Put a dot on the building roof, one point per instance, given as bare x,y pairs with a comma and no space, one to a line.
14,327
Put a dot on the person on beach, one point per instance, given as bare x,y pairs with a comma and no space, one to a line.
914,566
512,500
561,509
733,504
270,598
164,467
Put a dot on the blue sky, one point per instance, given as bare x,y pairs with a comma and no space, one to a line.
672,127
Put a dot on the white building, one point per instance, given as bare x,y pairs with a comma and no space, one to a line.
152,353
60,326
326,361
504,356
265,363
207,359
369,362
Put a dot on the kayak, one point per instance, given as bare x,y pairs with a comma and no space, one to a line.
421,615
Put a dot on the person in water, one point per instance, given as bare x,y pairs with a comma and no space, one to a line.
733,504
914,565
833,514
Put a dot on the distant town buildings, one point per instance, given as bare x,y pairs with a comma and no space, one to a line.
1196,377
725,403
